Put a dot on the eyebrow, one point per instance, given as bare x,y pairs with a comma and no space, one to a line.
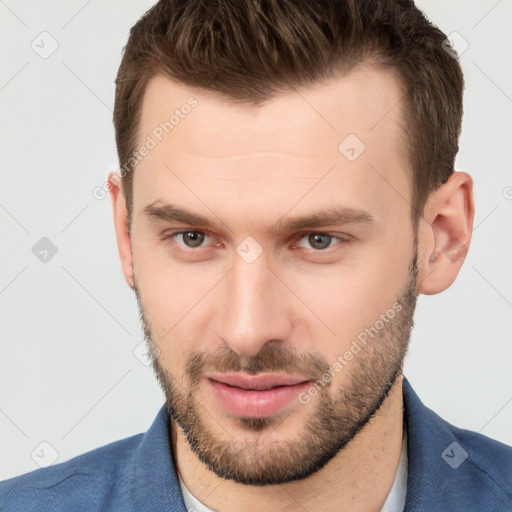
330,216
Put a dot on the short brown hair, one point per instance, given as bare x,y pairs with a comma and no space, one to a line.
249,50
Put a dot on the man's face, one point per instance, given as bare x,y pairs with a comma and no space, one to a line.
320,311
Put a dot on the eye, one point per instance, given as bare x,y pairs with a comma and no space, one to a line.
190,239
321,241
316,241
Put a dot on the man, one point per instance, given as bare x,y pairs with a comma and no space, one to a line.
286,190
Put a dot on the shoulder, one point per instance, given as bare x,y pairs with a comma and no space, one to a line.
85,482
476,471
452,468
490,459
133,474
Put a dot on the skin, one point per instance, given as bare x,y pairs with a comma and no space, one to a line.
246,168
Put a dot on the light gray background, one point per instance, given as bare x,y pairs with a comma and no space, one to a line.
69,326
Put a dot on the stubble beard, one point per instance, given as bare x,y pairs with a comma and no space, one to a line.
337,415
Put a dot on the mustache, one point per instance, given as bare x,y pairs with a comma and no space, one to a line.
271,358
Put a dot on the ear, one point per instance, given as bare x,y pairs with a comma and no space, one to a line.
121,226
445,236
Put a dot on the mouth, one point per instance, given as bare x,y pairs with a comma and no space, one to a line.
255,396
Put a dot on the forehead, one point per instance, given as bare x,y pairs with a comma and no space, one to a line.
357,102
290,141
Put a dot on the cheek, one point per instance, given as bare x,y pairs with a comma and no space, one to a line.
349,298
175,301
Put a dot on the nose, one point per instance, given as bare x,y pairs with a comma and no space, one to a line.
253,307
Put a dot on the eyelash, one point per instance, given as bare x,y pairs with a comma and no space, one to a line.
341,240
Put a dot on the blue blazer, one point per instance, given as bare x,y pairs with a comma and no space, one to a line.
450,470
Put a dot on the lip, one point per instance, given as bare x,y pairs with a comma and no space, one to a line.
255,396
256,382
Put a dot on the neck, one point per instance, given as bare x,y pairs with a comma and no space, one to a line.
358,478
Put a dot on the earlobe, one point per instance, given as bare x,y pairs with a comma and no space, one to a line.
121,226
445,233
